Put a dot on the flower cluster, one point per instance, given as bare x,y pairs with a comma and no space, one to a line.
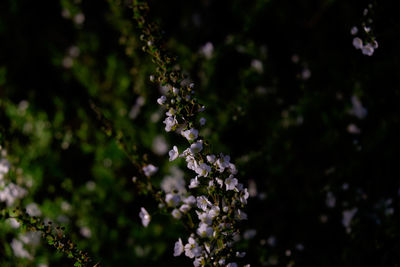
369,44
214,194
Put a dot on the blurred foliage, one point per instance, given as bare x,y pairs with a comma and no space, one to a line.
78,115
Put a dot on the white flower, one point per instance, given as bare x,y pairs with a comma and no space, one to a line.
240,215
145,216
178,249
198,262
190,200
204,217
191,134
19,250
170,123
214,212
232,168
202,121
171,112
203,203
220,182
4,166
368,50
173,153
175,91
161,100
231,183
196,147
172,200
33,210
244,196
211,158
176,214
194,183
185,208
192,249
202,169
354,30
204,230
232,264
149,170
223,162
357,43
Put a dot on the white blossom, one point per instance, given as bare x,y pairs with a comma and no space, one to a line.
368,50
203,202
170,123
162,100
240,215
144,216
172,200
202,121
196,147
192,249
357,43
173,153
176,214
211,159
204,230
150,170
231,183
202,169
191,134
194,183
178,249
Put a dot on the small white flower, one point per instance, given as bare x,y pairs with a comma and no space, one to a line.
176,214
354,30
223,162
191,134
357,43
202,121
185,208
196,147
175,91
202,169
192,249
244,196
170,123
231,183
172,200
211,158
232,264
178,249
171,112
194,183
145,216
368,50
214,212
161,100
190,200
220,182
149,170
203,203
204,217
240,215
204,230
173,153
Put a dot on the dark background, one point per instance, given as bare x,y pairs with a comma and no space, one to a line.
288,135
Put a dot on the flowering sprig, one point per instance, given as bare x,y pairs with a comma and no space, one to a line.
53,235
365,41
214,195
